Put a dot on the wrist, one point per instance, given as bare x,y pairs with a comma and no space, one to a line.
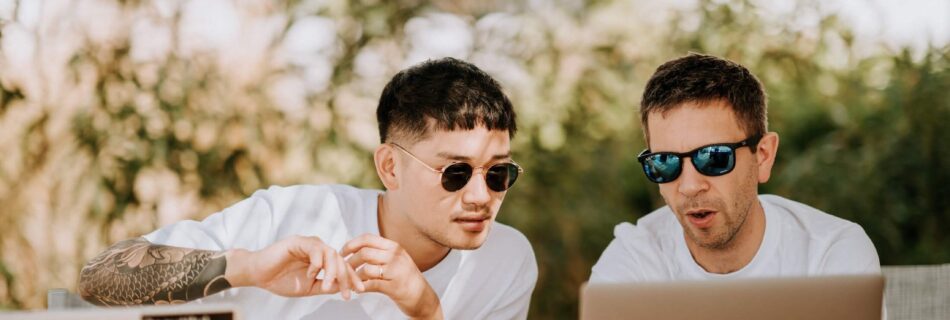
237,271
429,307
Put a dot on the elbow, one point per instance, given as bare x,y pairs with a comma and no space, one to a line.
86,286
92,281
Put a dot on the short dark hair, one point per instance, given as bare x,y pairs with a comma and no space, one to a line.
704,78
453,93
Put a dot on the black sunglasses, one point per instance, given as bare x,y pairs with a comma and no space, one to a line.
710,160
499,177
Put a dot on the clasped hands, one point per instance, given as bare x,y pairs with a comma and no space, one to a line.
368,263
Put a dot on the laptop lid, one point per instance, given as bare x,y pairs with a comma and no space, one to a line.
828,297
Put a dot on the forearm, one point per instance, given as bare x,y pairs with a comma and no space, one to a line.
429,308
435,313
136,271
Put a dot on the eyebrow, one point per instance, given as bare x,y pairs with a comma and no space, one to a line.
450,156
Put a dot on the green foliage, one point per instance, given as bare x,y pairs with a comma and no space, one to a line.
882,161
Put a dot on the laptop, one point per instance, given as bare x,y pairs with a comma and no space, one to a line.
856,297
189,311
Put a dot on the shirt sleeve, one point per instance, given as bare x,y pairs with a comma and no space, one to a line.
242,225
851,253
633,256
517,298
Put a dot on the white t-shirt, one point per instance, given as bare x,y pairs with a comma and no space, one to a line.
494,281
799,241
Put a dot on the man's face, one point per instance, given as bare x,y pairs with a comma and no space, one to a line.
711,209
459,219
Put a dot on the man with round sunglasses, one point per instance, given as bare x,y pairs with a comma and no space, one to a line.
427,247
704,119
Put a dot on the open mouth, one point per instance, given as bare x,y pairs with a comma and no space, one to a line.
701,215
701,218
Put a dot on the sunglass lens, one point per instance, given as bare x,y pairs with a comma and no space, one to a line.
501,176
662,168
455,176
714,160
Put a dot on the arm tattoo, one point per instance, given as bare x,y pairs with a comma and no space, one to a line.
136,271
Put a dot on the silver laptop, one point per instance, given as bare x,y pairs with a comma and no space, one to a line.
187,311
818,298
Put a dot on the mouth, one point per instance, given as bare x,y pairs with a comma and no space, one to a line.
473,224
701,218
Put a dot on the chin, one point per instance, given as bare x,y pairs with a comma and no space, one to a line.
467,240
713,241
703,238
466,247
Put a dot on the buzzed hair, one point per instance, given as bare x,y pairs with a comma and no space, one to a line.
448,93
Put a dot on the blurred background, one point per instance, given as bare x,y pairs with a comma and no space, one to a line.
118,117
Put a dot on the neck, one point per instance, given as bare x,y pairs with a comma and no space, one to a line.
740,251
395,226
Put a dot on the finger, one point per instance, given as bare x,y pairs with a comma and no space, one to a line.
356,244
329,269
305,249
317,288
371,256
372,272
376,285
355,278
366,240
342,279
316,262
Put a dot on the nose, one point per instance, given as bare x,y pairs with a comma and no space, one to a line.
476,190
690,181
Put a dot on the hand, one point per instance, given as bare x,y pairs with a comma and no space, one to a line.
386,268
289,268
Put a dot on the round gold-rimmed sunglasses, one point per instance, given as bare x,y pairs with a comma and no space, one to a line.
499,177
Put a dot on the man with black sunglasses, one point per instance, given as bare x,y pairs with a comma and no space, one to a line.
704,119
427,247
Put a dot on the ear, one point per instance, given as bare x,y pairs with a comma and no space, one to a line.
384,157
765,155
